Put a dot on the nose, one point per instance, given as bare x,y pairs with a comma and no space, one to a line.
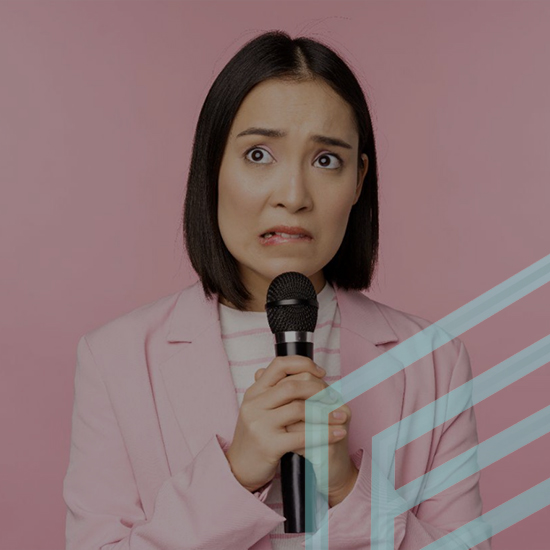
292,192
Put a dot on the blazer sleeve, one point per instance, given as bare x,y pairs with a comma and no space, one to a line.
349,522
202,506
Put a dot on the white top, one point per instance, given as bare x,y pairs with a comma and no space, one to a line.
249,345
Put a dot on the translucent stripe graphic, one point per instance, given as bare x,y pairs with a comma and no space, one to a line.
476,390
520,507
471,461
393,361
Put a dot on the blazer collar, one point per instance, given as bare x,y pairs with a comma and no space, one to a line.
359,314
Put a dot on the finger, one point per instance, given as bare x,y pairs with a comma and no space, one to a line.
283,366
290,389
316,428
303,376
339,416
317,436
320,413
297,412
258,374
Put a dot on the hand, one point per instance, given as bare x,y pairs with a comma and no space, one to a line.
341,471
261,436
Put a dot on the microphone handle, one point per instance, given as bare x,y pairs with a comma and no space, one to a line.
296,468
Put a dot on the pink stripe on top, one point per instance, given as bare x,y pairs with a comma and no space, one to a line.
248,343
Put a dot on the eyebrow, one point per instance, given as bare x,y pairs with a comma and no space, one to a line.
326,140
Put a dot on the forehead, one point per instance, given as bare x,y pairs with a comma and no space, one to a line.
311,106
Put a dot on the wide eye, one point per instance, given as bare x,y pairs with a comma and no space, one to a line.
257,155
327,156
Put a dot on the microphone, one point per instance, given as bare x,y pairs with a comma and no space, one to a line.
292,310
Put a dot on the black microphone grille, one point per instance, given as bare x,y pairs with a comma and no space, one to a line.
291,303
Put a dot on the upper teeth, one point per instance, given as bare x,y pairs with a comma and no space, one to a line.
285,235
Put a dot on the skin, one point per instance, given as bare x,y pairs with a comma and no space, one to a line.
290,180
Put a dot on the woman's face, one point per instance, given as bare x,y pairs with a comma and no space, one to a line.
291,176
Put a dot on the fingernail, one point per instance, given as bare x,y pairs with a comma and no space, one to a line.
338,415
320,369
339,433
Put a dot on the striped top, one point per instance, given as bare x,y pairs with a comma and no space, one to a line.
249,346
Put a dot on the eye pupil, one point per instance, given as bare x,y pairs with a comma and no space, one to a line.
257,154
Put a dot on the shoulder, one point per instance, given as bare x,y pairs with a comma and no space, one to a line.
147,322
375,314
436,361
403,323
406,325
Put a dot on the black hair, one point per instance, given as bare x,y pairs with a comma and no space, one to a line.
274,55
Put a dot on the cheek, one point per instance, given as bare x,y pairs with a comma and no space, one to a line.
237,207
337,217
228,191
227,194
239,192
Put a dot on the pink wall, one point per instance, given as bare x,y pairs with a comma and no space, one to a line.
99,102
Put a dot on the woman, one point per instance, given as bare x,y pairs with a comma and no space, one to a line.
181,412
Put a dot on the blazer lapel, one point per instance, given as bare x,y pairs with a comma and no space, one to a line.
363,335
197,380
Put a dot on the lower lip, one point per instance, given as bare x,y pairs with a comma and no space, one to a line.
278,239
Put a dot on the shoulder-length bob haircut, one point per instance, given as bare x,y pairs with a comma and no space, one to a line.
274,55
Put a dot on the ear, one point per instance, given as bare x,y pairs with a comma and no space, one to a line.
362,172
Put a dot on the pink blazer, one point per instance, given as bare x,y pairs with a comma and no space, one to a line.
155,408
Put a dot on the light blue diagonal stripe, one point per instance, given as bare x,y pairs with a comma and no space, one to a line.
443,331
489,383
475,459
414,348
470,393
520,507
443,409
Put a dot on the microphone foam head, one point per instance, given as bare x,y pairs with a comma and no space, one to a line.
291,317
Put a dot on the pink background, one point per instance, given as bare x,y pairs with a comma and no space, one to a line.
99,103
